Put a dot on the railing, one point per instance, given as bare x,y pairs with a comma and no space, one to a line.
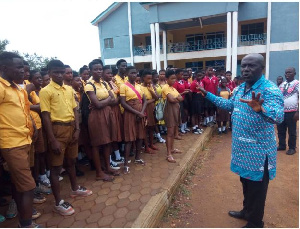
252,39
205,44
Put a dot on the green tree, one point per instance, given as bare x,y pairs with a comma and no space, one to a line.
3,44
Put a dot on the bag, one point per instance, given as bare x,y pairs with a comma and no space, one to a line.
159,110
85,110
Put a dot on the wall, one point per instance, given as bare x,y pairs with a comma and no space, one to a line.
279,61
174,11
139,19
285,22
252,10
115,26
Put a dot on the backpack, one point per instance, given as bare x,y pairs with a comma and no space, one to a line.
85,102
159,110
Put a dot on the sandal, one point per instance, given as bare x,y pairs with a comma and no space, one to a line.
139,161
106,178
170,159
176,151
126,170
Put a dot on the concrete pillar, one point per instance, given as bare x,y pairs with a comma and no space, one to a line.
157,47
165,48
228,38
153,45
130,34
267,74
234,42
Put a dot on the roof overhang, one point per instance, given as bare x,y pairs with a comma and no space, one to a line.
106,13
147,5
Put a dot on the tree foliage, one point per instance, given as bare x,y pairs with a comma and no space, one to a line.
35,61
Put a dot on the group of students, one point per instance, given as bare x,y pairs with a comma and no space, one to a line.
48,115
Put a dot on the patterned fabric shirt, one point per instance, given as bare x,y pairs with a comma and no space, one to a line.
290,91
253,133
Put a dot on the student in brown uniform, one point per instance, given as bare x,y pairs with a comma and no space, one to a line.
100,120
60,118
171,113
117,136
151,97
15,136
134,102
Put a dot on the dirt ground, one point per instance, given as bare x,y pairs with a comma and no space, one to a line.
211,190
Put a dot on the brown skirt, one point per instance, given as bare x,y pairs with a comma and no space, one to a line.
172,114
222,115
100,126
84,136
134,127
117,124
150,114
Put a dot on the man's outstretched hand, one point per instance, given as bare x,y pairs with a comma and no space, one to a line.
255,103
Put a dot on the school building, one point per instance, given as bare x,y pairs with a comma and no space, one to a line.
200,34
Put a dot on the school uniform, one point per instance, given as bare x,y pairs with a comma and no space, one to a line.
117,134
100,120
150,106
223,115
180,87
158,88
210,85
59,101
134,127
197,98
172,110
15,134
38,146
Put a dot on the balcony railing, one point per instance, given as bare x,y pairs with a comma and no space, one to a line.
252,39
205,44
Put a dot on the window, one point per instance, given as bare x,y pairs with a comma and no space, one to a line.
256,28
108,43
194,65
194,39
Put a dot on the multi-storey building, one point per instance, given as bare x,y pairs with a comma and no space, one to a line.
200,34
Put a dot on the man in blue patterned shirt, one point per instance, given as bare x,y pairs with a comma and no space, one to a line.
256,106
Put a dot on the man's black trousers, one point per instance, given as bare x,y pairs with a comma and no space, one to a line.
255,193
290,124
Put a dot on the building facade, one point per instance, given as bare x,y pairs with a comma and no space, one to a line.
200,34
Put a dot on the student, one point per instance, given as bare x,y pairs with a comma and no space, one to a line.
121,75
230,83
117,134
279,80
171,113
68,76
45,78
187,103
26,72
223,115
159,128
162,77
210,83
180,87
62,127
148,91
15,136
100,122
197,102
38,146
134,102
84,75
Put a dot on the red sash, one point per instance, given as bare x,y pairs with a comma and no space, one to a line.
135,91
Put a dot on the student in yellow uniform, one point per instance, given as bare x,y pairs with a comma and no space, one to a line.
26,72
84,75
15,136
134,102
60,118
121,77
171,113
100,125
148,90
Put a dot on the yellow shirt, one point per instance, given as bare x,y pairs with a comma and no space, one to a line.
101,91
59,101
166,89
158,89
14,116
111,86
129,93
146,92
35,116
120,81
26,82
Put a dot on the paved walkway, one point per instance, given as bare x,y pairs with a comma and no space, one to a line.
117,203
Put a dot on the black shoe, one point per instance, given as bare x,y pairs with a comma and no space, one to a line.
280,148
251,225
237,215
219,132
290,152
224,131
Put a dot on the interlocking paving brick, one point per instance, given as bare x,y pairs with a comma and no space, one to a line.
67,222
91,225
123,195
134,205
98,207
81,215
121,212
132,215
145,191
114,193
78,224
105,221
101,199
93,218
55,221
134,196
145,198
123,202
125,187
103,191
115,186
109,210
111,201
87,205
119,223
